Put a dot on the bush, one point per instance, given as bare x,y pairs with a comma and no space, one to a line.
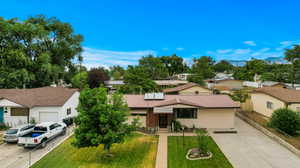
202,139
285,120
176,126
3,126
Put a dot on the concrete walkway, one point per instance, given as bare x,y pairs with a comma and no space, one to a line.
162,151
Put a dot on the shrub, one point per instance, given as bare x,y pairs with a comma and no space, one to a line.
285,120
176,126
202,139
3,126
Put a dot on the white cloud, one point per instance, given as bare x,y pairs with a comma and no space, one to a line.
224,51
250,43
179,48
97,57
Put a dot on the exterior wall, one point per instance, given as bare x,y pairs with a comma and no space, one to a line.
152,119
259,101
211,118
71,103
195,89
247,106
232,84
35,112
14,121
7,103
294,106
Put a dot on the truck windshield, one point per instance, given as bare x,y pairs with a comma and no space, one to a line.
12,131
40,129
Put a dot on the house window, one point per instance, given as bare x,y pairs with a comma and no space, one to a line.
19,112
186,113
5,110
269,105
68,111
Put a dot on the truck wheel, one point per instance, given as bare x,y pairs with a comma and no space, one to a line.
44,143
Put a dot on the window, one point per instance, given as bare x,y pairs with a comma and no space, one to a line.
269,105
68,111
19,111
185,113
197,92
5,110
52,126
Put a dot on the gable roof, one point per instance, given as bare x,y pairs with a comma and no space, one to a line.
181,87
205,101
283,94
44,96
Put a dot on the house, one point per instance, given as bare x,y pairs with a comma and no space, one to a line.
188,89
267,99
232,84
181,76
200,111
19,106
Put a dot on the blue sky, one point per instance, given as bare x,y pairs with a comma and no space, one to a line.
119,32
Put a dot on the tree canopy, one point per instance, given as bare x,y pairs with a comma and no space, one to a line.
97,76
37,52
154,67
223,66
203,67
174,64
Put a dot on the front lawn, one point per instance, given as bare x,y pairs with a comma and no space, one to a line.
136,152
177,152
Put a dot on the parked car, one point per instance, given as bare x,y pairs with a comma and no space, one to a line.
68,121
12,134
42,133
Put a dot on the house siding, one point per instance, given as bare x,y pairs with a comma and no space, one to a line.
232,84
194,89
294,106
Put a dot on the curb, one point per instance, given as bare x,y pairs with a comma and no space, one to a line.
270,134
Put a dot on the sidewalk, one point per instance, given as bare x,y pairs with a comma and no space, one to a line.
162,149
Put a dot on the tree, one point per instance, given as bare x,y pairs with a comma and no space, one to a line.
101,119
137,80
293,56
154,67
223,66
240,95
36,52
116,72
80,80
174,64
196,79
97,76
285,120
252,67
203,66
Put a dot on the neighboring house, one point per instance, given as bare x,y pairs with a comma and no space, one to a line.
188,89
19,106
200,111
182,76
232,84
267,99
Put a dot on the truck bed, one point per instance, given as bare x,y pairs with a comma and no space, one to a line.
33,134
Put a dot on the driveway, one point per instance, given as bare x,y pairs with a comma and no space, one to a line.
250,148
13,156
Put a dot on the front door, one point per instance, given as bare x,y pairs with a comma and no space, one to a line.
163,120
1,115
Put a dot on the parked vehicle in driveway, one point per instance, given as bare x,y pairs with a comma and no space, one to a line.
42,133
12,134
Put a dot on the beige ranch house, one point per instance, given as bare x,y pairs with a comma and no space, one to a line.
188,89
200,111
267,99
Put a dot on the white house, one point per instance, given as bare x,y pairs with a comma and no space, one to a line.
19,106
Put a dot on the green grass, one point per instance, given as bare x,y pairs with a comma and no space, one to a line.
177,152
136,152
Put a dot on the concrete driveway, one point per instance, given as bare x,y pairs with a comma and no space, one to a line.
13,156
250,148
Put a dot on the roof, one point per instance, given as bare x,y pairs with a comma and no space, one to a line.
170,82
181,87
205,101
44,96
283,94
221,88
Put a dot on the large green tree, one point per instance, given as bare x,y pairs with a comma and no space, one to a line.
293,56
203,67
36,52
97,76
223,66
154,67
174,64
101,119
116,72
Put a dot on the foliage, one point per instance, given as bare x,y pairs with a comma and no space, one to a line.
252,67
176,126
202,139
36,52
285,120
293,56
116,72
203,67
32,120
223,66
101,119
154,67
137,151
174,64
137,80
196,79
80,80
97,76
240,95
3,127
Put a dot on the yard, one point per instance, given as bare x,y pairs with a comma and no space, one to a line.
137,151
177,152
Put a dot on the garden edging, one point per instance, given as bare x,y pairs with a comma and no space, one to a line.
270,134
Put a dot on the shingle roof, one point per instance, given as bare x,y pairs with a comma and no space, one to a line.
181,87
283,94
206,101
44,96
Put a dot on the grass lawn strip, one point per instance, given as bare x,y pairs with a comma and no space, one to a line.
177,152
137,151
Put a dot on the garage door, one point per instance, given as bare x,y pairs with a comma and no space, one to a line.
48,116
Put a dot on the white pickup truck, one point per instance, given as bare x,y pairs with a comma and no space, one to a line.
41,134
